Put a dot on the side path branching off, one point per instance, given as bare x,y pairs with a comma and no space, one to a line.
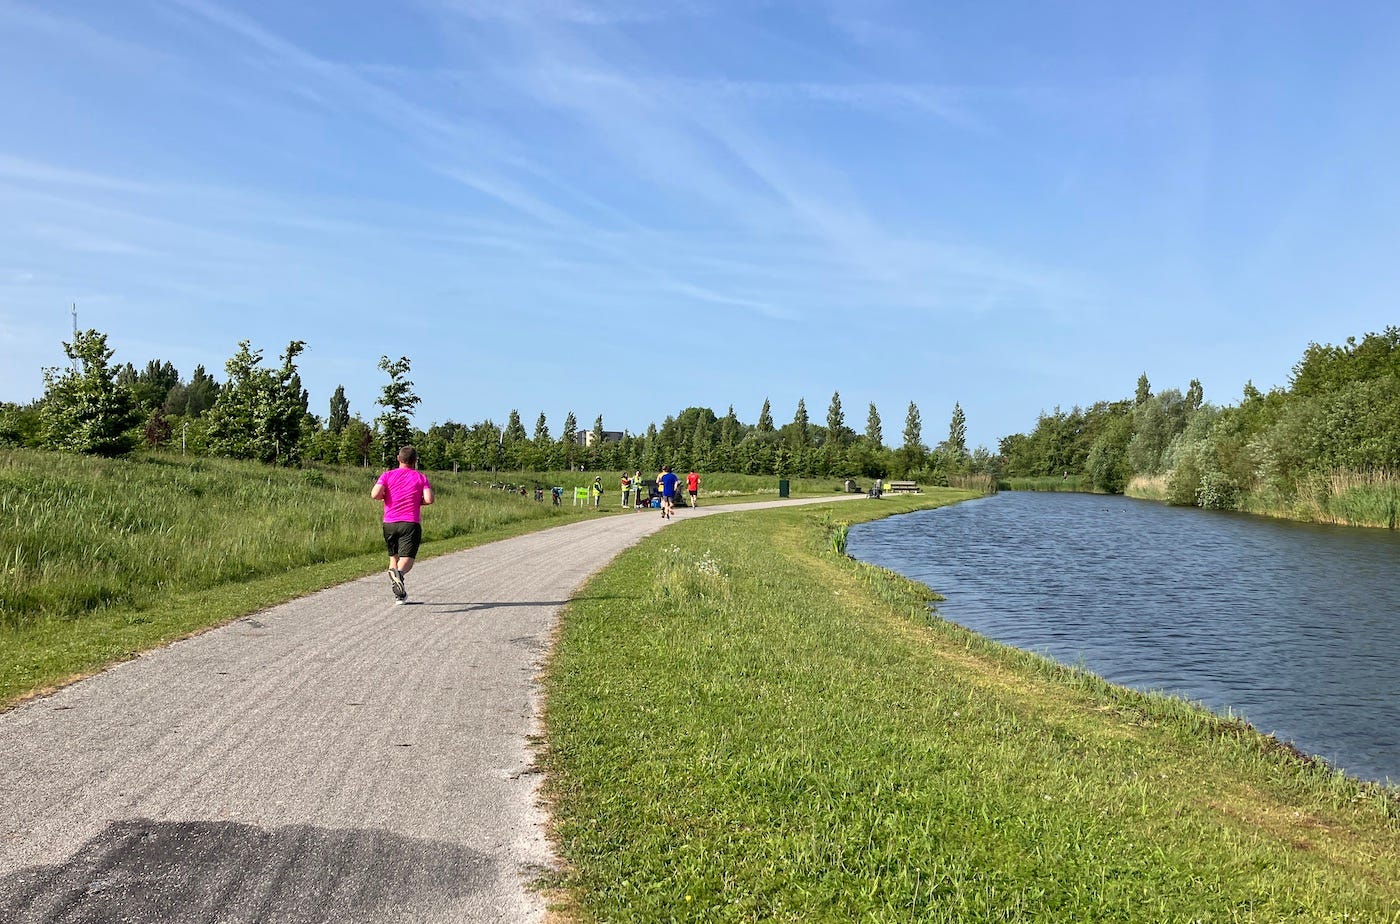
744,724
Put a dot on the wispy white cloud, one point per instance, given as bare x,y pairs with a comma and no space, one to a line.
573,12
948,103
32,171
78,38
871,23
702,140
71,238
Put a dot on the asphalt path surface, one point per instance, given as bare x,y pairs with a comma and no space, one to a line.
337,758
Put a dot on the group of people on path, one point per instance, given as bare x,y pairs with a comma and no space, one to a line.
405,491
665,486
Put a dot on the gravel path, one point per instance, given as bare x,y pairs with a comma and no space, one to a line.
333,759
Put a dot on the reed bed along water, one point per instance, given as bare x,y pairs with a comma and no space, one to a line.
1350,498
1343,497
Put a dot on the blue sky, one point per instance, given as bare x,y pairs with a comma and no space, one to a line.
1011,206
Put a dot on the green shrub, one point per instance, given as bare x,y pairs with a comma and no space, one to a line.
1218,492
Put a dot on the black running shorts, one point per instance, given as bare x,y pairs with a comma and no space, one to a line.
402,539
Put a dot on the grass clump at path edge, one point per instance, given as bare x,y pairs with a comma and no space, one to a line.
743,724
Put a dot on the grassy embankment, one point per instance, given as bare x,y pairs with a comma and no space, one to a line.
743,724
103,559
1343,498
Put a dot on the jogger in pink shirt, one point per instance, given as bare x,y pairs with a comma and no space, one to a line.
404,491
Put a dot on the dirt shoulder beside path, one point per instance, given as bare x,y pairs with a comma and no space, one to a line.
335,758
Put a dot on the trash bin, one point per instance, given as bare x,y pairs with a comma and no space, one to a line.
783,487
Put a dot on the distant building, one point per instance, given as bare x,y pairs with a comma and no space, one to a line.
585,437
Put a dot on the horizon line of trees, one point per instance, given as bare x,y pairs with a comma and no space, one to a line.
262,412
1339,412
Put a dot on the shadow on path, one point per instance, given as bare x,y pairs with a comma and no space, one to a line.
144,871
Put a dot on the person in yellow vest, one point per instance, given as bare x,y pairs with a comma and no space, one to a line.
626,491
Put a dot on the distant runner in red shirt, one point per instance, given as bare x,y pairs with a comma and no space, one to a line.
404,491
692,485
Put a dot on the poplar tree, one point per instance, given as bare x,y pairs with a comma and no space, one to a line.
765,418
729,428
1144,390
568,440
957,432
700,444
340,411
515,430
1195,395
913,448
835,421
873,431
801,434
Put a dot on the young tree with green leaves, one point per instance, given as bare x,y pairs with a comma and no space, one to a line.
192,398
20,424
259,413
84,408
398,400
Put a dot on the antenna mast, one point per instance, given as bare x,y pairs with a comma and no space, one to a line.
75,336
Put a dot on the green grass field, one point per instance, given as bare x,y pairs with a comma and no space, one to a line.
744,725
105,558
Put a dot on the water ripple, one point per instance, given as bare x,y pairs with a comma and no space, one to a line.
1296,626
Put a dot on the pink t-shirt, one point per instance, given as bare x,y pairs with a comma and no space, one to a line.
403,495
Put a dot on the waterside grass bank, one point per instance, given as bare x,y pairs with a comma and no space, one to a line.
106,558
743,724
1341,498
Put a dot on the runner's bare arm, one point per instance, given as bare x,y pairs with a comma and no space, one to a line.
377,492
428,496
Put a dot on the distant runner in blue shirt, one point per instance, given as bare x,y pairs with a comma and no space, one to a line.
667,482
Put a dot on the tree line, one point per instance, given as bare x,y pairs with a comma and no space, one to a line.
261,411
1339,413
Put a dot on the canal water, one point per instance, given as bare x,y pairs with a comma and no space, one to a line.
1294,626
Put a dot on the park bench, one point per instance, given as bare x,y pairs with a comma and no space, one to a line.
903,487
